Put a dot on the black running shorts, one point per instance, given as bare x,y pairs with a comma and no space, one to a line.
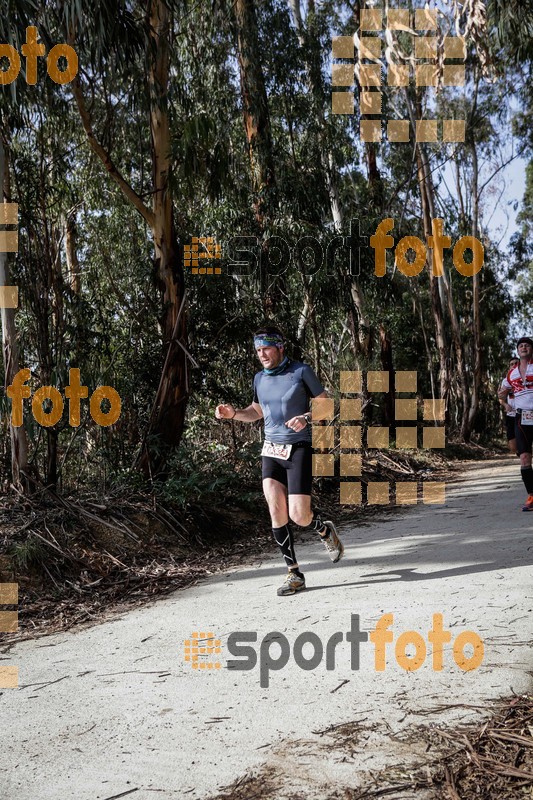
523,435
296,473
509,427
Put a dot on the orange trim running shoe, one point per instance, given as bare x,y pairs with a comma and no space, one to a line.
293,583
529,504
332,543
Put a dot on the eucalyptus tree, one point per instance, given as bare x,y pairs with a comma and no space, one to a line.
21,472
110,42
14,117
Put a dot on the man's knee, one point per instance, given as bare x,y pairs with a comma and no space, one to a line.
525,459
276,503
301,517
300,511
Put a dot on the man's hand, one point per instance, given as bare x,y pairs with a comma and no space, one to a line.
225,411
297,423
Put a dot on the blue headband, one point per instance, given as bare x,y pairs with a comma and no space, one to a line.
268,340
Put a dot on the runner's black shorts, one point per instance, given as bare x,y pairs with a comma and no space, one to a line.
523,435
296,473
509,427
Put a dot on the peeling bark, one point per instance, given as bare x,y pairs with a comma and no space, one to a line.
255,107
256,120
167,416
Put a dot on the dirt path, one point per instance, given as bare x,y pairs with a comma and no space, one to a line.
115,710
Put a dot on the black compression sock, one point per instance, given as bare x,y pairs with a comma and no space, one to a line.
317,525
527,477
284,540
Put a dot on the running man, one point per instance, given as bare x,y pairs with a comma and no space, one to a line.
519,381
510,411
282,393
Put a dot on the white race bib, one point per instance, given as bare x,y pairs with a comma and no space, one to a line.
274,450
527,417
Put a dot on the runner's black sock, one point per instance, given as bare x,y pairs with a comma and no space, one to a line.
527,477
285,541
316,524
297,572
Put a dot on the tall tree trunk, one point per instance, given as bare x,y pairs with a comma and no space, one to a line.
256,120
468,420
444,287
362,331
375,182
436,305
74,277
52,359
167,417
359,324
461,374
426,344
71,253
50,309
436,287
315,84
387,365
21,471
255,108
51,457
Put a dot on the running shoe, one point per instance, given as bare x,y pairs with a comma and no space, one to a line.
529,504
292,584
332,543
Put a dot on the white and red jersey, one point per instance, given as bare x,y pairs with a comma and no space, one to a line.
521,388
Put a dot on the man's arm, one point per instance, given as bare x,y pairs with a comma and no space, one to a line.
316,391
303,420
250,414
504,390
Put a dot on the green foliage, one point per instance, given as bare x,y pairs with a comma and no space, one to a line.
27,555
210,473
109,322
